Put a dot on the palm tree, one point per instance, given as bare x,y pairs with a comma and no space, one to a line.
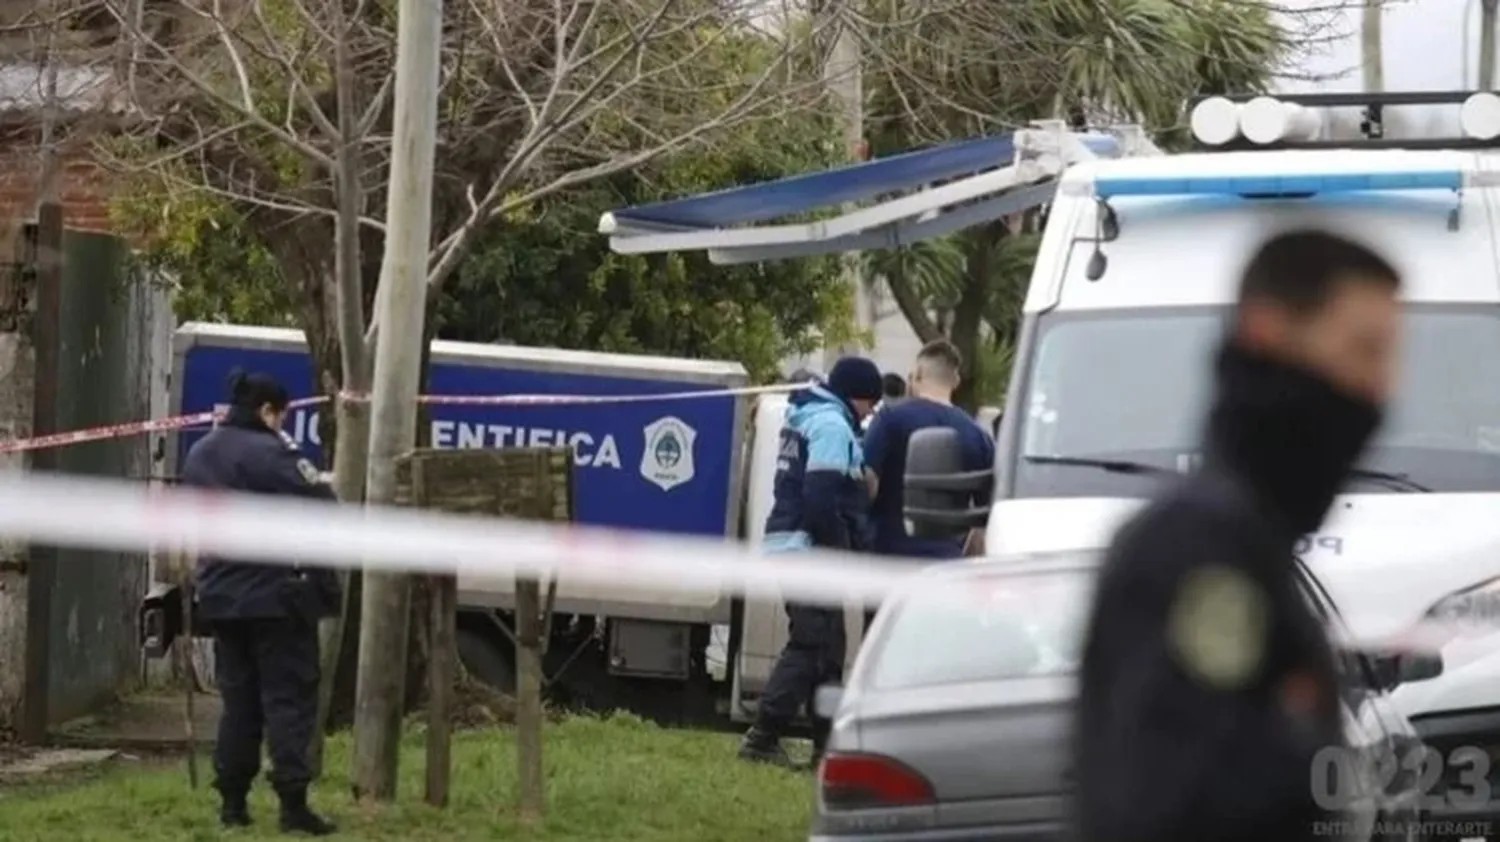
949,68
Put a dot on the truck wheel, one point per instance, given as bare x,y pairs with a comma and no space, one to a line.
486,661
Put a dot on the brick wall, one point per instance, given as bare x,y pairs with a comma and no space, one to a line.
84,190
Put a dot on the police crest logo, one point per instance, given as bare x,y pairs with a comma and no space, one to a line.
1217,626
668,459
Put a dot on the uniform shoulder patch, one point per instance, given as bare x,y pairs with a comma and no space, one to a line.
1218,626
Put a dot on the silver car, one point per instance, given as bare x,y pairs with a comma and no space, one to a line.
954,724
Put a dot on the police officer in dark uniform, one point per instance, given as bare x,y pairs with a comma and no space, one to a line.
264,617
821,501
1208,685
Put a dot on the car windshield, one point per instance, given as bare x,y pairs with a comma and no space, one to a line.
984,627
1133,388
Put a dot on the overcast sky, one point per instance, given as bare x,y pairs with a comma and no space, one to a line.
1429,45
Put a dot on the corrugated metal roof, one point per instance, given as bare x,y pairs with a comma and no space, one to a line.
23,87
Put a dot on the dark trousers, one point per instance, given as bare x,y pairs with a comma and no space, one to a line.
813,656
267,672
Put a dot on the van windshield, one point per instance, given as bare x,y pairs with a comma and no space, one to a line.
1134,386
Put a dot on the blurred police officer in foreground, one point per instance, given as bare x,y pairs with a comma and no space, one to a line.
821,501
264,617
1208,684
933,380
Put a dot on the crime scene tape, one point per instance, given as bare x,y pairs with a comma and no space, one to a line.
129,428
198,419
121,516
585,400
114,515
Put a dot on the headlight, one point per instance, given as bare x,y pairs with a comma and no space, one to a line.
1470,608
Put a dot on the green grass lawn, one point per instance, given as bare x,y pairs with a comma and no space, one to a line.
607,780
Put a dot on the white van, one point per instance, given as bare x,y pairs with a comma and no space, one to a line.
1114,360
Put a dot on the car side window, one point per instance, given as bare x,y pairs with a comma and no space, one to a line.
1355,673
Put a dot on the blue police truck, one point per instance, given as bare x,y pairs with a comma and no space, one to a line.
672,465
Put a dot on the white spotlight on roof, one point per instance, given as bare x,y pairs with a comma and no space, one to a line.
1480,116
1215,121
1269,120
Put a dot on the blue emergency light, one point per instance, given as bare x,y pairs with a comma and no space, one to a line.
1108,187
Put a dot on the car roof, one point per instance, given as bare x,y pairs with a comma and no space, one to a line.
1018,564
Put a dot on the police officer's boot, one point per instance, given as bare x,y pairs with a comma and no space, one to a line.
233,811
297,817
762,745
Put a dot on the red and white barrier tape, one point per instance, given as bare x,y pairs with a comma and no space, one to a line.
197,419
47,508
132,428
113,515
587,400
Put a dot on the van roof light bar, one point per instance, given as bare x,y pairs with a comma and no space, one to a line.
1106,187
1297,121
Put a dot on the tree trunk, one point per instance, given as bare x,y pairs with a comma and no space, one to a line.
349,459
419,648
418,645
968,316
910,303
352,439
530,794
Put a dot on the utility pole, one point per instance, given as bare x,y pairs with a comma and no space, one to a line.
1487,9
844,77
379,692
1372,47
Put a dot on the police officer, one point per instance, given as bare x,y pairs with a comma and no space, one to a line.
821,501
264,617
1208,685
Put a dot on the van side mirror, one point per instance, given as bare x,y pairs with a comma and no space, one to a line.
939,495
1392,669
1418,666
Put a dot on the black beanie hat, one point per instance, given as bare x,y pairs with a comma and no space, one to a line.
856,378
255,390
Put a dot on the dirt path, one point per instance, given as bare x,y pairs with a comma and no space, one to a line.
147,728
146,723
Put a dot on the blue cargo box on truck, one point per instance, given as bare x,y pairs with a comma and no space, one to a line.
671,465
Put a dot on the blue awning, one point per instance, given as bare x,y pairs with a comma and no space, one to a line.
802,193
972,173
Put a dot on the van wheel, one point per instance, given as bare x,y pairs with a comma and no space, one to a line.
486,661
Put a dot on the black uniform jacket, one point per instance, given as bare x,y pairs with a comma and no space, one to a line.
1198,622
245,455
